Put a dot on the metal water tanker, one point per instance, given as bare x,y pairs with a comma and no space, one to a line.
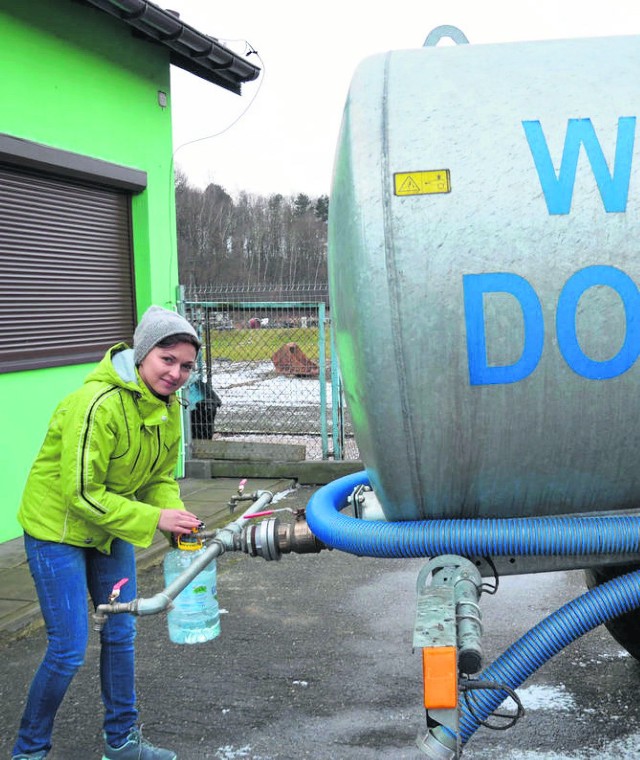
484,250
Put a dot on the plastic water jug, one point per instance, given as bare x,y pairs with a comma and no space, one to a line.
195,617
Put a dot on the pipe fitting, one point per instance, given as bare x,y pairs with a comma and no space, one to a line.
271,538
103,610
228,538
260,540
437,745
297,537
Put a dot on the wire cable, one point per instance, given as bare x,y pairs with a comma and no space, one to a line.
468,685
485,588
249,50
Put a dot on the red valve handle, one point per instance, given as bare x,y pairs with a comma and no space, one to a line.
259,514
115,591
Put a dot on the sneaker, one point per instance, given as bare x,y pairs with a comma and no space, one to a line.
137,748
31,756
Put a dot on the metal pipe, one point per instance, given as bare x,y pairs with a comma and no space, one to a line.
235,528
223,541
163,599
322,376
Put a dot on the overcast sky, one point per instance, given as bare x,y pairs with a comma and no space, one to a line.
280,135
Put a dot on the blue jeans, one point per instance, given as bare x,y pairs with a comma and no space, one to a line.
63,575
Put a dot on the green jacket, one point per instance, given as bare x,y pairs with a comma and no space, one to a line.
107,462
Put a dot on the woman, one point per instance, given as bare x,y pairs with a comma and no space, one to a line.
101,484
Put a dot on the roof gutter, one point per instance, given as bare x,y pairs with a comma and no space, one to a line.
190,49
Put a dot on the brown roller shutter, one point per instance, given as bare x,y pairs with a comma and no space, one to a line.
66,278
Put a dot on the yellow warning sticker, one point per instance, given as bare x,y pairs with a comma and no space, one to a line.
422,183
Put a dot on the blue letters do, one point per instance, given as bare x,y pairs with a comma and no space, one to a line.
476,285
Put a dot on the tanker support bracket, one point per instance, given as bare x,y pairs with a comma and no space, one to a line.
447,630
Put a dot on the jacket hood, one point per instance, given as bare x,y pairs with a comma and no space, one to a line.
117,368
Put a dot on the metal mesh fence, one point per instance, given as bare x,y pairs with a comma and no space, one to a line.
266,370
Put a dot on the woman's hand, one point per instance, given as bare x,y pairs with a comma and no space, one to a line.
177,521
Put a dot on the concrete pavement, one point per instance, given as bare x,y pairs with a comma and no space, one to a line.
315,660
208,498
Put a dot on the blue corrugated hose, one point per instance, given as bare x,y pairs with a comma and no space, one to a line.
539,536
524,536
550,636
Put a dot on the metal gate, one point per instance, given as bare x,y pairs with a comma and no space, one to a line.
267,373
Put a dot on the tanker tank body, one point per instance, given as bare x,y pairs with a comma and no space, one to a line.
483,258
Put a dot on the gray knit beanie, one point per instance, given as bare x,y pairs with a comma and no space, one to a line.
156,324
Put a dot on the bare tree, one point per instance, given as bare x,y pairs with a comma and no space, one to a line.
249,240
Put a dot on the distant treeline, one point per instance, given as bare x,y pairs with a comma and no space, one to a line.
250,240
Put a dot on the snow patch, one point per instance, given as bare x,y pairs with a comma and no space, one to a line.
537,697
258,386
621,749
229,752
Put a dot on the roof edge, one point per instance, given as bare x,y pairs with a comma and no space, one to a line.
190,49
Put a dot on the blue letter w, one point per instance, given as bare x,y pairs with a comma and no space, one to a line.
558,190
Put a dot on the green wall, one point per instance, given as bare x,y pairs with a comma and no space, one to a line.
72,77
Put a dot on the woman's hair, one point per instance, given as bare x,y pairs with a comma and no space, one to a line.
172,340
